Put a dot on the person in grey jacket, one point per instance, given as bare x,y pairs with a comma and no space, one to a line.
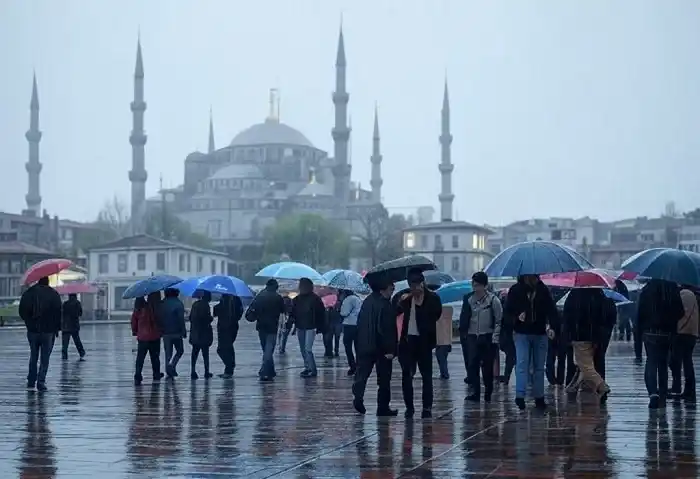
481,318
172,320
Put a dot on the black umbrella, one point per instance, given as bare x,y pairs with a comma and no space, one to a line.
397,269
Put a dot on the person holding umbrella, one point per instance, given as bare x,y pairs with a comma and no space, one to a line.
144,325
172,320
682,349
201,334
70,326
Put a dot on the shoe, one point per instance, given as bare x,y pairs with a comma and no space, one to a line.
82,358
226,376
472,398
336,355
30,386
688,397
654,401
208,375
158,377
265,379
409,412
487,397
387,412
540,404
351,372
304,374
194,376
520,402
426,414
41,387
466,380
282,352
604,398
445,376
359,406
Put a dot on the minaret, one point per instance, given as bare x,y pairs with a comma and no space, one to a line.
446,167
138,175
211,148
33,166
341,131
376,160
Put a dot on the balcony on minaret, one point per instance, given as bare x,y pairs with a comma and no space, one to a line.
33,167
376,183
33,200
340,134
446,138
446,168
33,136
138,176
341,97
137,138
138,106
443,197
342,170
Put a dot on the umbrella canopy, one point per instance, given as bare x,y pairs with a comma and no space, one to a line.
290,270
217,284
330,300
345,279
451,292
580,279
151,285
536,257
614,295
45,268
397,269
433,280
76,288
676,266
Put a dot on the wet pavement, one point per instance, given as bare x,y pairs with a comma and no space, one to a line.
93,421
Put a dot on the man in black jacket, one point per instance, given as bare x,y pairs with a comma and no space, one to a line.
227,313
40,309
421,309
265,310
70,326
376,345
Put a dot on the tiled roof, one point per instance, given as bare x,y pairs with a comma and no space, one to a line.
18,247
149,242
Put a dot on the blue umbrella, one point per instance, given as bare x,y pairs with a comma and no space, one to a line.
345,279
536,257
290,270
217,284
451,292
150,285
674,265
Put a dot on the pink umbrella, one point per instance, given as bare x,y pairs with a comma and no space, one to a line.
579,279
330,300
76,288
45,268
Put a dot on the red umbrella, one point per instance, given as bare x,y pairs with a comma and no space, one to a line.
579,279
330,300
76,288
44,268
627,276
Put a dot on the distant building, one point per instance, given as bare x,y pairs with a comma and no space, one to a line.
15,258
117,265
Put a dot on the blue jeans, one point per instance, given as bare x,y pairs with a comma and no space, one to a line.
267,343
40,347
441,352
530,347
306,346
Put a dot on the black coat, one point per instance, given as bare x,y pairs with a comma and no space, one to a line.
72,311
201,333
376,327
265,310
538,312
41,310
308,312
659,307
427,316
228,313
588,316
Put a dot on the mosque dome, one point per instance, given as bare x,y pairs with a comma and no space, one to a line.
271,132
195,156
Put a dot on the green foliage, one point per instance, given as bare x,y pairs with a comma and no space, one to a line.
309,239
170,227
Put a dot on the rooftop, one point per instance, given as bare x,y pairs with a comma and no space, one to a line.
150,242
449,225
18,247
270,132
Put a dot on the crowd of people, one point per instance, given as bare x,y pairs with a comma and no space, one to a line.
538,341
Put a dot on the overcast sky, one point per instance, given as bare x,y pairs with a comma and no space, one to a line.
587,107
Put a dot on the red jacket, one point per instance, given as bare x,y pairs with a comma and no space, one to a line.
144,325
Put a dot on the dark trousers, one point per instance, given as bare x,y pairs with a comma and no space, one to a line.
624,328
441,352
40,347
350,343
205,358
170,343
153,350
225,349
267,344
560,367
682,346
658,347
413,354
331,338
508,347
638,339
465,352
65,339
481,356
601,350
365,364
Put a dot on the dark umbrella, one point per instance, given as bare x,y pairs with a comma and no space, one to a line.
536,257
397,269
674,265
150,285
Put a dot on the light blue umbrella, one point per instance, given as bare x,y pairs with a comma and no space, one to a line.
345,279
150,285
217,284
290,270
451,292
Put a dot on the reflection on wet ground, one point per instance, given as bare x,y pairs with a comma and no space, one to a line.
94,421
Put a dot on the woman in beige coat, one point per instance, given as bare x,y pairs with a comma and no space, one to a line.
444,340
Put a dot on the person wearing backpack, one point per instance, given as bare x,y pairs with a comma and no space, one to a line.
480,319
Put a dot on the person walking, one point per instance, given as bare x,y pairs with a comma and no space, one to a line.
349,310
284,332
144,325
482,315
333,328
506,341
421,309
535,319
40,309
201,334
309,317
682,347
265,311
70,326
660,309
228,314
444,341
377,338
172,320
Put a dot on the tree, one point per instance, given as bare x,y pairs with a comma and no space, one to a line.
114,218
693,215
381,234
309,239
164,224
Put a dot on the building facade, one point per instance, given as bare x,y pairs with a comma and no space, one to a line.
15,258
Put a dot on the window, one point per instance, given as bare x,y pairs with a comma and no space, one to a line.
214,229
103,263
16,267
223,268
213,266
475,241
455,241
424,241
189,263
482,242
410,240
438,242
119,303
141,261
181,262
160,262
477,263
455,263
200,264
122,263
